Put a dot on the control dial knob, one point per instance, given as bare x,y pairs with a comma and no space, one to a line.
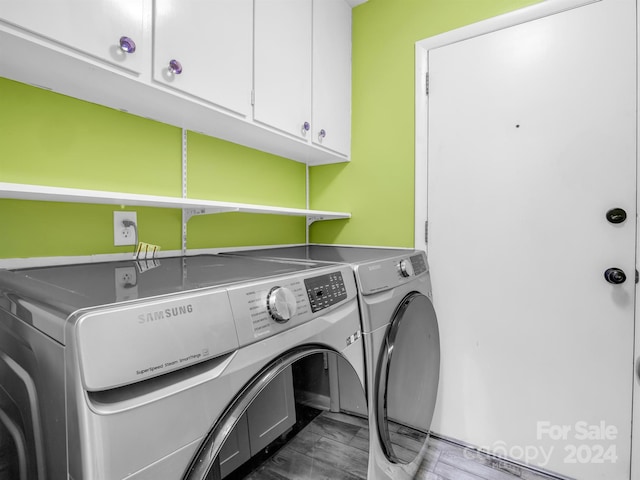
281,303
406,268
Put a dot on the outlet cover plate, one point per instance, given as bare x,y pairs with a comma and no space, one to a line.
124,235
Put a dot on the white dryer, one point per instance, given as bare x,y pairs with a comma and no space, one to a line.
402,348
146,371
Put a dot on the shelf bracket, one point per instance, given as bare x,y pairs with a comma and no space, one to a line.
314,218
187,213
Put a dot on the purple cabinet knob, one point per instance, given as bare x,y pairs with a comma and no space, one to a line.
306,126
175,67
321,134
127,45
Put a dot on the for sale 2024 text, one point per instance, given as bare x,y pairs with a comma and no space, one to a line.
587,443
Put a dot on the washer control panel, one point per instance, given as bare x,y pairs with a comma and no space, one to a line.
325,291
265,308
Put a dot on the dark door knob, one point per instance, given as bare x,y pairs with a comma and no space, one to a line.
615,276
616,215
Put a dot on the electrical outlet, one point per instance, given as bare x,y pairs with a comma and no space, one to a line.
126,280
124,235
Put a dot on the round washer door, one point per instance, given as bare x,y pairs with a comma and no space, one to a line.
251,437
407,379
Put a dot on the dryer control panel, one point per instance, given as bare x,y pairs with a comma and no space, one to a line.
418,263
388,273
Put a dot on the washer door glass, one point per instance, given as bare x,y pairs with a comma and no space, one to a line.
407,379
296,419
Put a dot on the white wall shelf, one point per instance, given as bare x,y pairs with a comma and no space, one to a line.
192,206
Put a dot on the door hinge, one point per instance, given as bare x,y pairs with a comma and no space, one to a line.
426,84
426,231
253,97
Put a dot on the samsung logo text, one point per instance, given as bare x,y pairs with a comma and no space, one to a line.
166,313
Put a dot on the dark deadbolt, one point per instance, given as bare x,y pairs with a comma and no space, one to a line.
615,276
616,215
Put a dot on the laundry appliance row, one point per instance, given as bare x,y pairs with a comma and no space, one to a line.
195,367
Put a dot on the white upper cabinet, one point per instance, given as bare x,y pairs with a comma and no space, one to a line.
282,68
303,70
109,30
331,86
274,75
204,49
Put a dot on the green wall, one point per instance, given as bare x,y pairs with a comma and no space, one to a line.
50,139
377,185
220,170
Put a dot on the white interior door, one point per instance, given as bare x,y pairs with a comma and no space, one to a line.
531,140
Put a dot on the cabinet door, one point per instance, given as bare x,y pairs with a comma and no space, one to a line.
212,42
93,27
273,412
331,125
235,450
282,65
351,395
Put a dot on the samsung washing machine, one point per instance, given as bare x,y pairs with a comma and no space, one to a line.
402,348
179,368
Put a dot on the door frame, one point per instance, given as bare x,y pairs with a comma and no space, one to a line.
422,47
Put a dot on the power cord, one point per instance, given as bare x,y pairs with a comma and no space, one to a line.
127,224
